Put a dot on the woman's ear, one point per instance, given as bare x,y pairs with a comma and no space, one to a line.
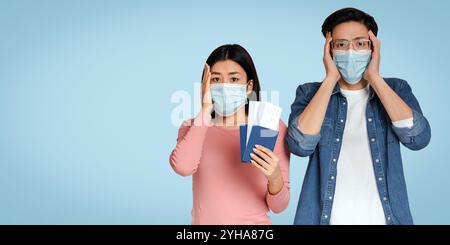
250,87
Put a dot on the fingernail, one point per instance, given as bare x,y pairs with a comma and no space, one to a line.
252,155
254,149
257,145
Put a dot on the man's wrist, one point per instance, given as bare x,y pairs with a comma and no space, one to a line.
329,82
374,78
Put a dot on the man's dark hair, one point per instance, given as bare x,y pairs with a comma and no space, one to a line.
346,15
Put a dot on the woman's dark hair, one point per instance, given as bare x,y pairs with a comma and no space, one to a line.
346,15
239,55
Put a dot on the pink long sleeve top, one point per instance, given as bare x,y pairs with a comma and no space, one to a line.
225,190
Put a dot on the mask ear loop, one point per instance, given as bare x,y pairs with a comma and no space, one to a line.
247,100
251,96
246,87
331,49
371,45
248,83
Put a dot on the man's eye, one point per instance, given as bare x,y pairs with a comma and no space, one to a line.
234,79
215,79
340,45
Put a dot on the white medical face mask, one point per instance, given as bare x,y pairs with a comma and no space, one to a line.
228,98
352,64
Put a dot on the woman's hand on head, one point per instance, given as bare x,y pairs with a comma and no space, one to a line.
207,105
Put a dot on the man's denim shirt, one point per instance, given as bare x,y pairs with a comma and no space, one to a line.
317,194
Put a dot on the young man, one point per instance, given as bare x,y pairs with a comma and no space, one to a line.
350,126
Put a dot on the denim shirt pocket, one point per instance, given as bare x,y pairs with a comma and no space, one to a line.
326,132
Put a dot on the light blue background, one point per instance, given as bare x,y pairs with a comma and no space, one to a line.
85,88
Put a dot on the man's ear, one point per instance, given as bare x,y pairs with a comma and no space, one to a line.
250,87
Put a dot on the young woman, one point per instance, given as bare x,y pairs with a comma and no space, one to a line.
225,190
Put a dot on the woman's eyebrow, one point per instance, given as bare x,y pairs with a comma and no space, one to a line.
230,73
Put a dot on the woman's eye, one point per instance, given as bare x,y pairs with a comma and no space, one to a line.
234,79
215,79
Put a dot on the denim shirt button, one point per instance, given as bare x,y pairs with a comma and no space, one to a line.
373,139
332,177
326,216
330,197
370,119
380,179
334,159
377,160
337,139
385,198
342,120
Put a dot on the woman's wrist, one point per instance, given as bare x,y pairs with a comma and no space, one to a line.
275,184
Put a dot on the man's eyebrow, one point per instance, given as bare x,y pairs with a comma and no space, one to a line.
215,73
356,38
233,73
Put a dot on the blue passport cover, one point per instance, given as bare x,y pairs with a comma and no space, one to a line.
258,136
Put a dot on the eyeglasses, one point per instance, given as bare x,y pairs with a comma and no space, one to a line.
358,44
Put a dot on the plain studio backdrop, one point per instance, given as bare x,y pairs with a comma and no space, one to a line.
86,98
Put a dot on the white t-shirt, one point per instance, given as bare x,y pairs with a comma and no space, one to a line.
356,200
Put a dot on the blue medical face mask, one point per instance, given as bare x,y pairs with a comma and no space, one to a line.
352,64
228,98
